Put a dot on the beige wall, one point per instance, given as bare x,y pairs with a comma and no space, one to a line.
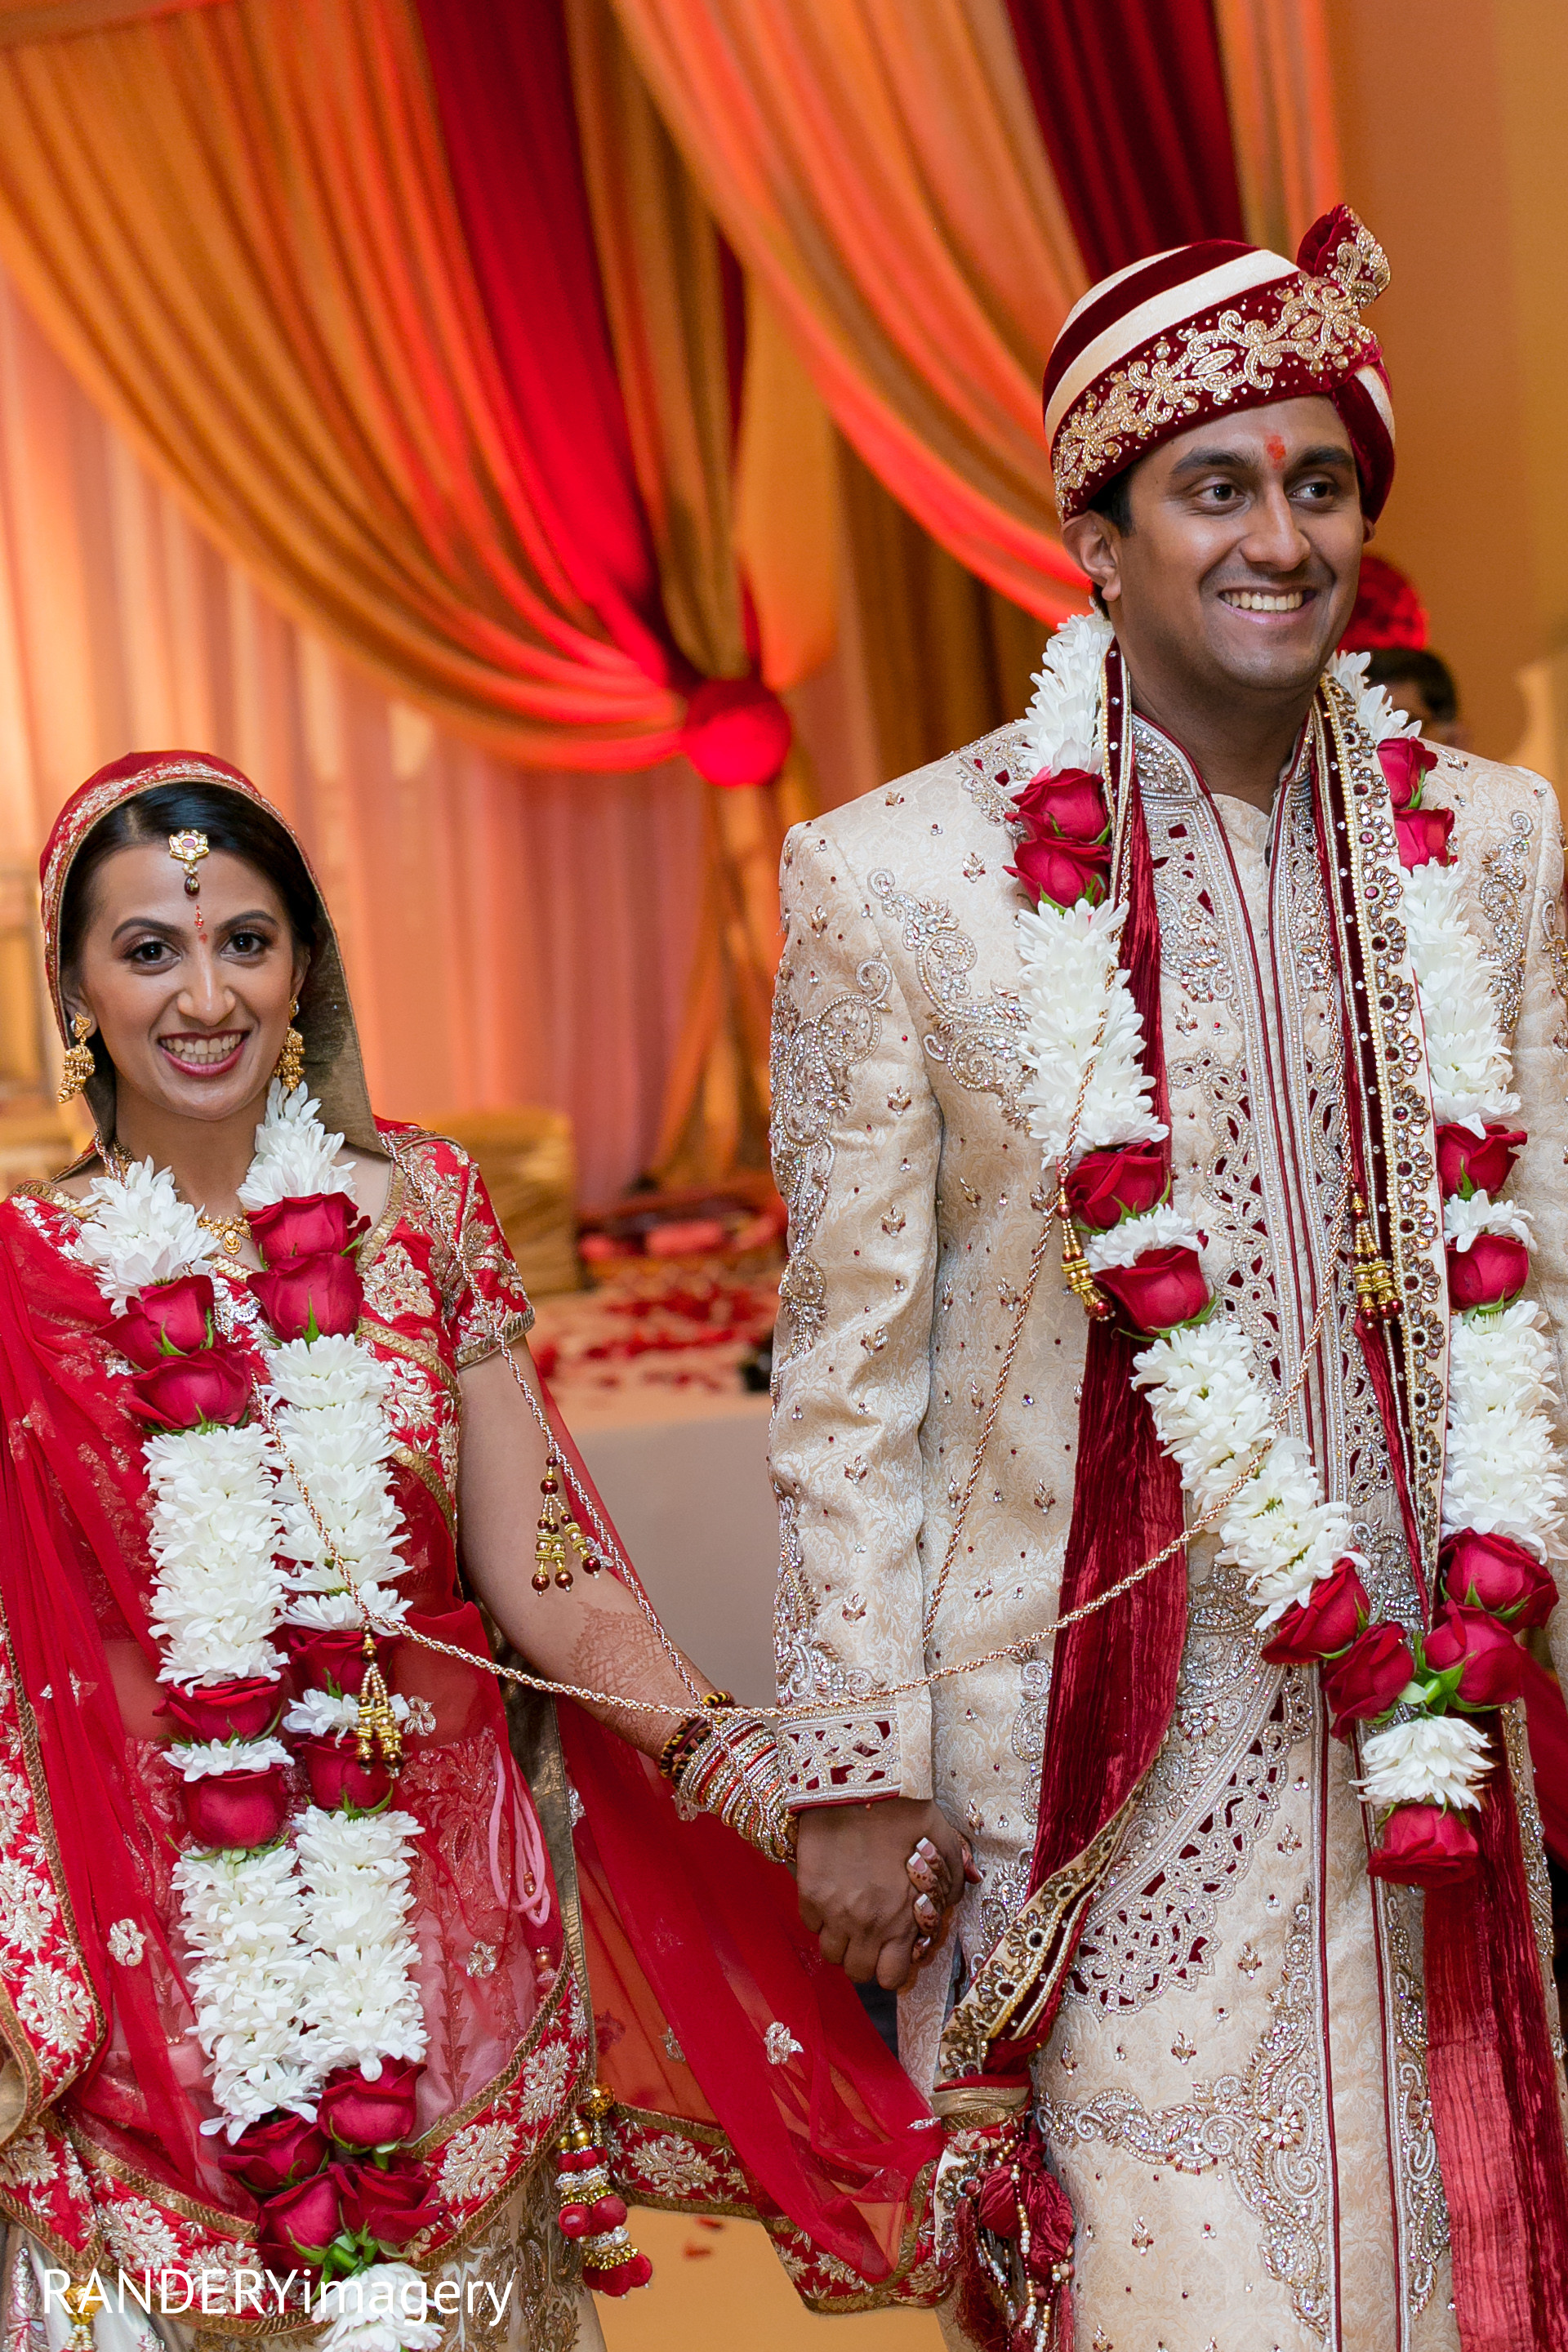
1454,124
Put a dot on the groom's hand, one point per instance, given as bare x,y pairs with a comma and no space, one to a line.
851,1870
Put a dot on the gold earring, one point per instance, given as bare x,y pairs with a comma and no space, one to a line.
291,1064
79,1063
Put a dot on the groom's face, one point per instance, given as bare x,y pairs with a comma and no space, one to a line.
1237,570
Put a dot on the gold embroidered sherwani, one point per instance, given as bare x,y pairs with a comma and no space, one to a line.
1235,2090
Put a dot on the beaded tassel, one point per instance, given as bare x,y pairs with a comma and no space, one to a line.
1375,1295
590,2213
558,1532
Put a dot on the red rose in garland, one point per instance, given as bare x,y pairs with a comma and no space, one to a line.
391,2203
1367,1679
1471,1163
1495,1573
329,1657
1424,836
1158,1290
1422,1845
239,1809
323,1223
1493,1269
275,2154
337,1777
1107,1186
298,2224
168,1318
1330,1617
1063,871
1404,760
362,2113
1068,806
184,1391
310,1297
1491,1661
232,1710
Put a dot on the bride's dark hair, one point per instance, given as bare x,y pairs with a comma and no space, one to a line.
229,820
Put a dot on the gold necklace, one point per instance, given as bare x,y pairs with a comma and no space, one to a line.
233,1233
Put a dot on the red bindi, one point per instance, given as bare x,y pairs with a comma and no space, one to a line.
1275,448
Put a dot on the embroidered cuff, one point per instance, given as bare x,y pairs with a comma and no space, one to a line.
836,1757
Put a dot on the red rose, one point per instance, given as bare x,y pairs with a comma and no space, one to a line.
168,1318
1494,1267
1063,871
391,2203
298,2224
1068,806
325,1657
1493,1572
237,1808
1423,1845
338,1778
231,1710
361,2114
1368,1677
314,1226
1333,1613
1491,1658
275,2153
1424,835
1471,1163
1106,1185
1160,1289
1404,760
183,1391
307,1297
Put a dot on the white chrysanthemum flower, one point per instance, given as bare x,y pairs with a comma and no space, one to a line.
319,1713
1434,1760
1162,1227
248,1968
332,1371
295,1156
1466,1050
330,1613
136,1230
1375,711
362,1998
381,2309
201,1760
1463,1220
217,1592
1502,1476
1072,983
1063,721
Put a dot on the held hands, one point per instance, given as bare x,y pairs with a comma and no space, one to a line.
876,1882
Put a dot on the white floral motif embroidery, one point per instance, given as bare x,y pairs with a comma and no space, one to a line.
544,2079
28,2162
139,2237
126,1943
476,2161
55,2007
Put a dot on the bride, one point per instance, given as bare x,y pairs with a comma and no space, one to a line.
315,2003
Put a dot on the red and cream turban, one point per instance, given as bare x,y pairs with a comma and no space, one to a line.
1206,328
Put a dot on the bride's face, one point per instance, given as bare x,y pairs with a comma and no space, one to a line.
191,997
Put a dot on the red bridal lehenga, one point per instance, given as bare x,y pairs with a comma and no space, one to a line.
570,1929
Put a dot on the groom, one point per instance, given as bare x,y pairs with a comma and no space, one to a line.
1177,1958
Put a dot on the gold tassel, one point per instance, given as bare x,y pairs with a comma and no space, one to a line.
558,1534
378,1726
1076,1272
1375,1295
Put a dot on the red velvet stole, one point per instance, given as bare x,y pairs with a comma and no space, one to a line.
1113,1682
1493,2079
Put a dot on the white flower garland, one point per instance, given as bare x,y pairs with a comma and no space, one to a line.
1208,1407
300,1957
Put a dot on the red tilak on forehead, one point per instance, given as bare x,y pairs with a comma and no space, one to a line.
1275,448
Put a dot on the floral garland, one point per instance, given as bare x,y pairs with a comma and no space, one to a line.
1412,1692
273,1536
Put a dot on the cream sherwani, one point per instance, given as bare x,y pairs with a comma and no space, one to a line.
1235,2090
